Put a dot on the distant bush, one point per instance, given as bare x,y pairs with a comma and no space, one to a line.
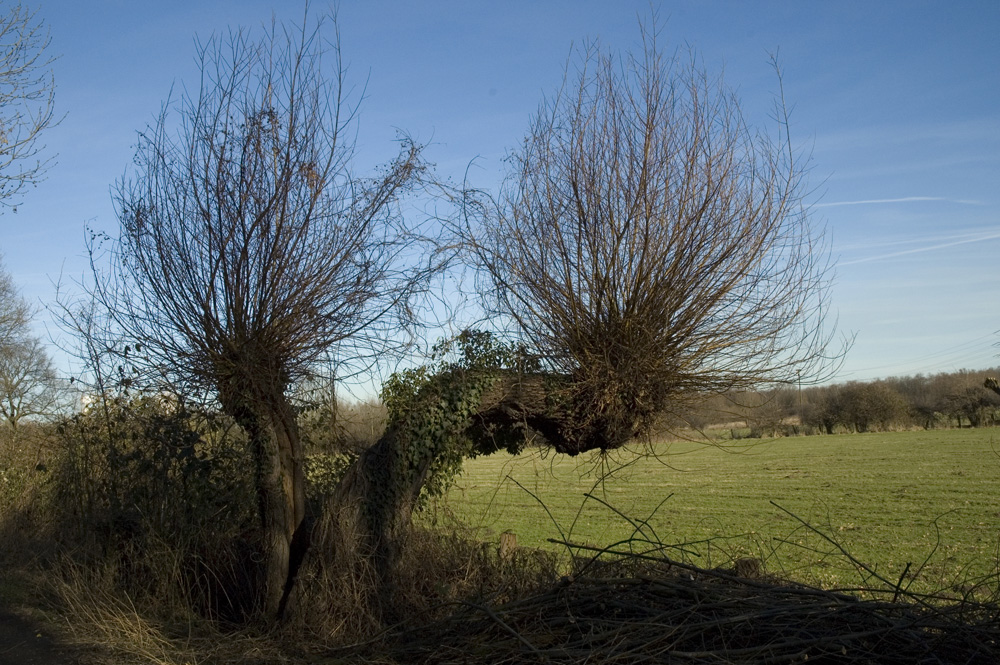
957,399
867,407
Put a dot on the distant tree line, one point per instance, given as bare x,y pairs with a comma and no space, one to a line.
946,400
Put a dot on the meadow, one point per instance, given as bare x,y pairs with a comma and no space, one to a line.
923,503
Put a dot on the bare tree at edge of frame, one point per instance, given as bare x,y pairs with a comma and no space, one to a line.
651,247
27,100
248,249
29,387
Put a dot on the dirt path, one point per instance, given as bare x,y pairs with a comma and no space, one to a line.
25,638
23,642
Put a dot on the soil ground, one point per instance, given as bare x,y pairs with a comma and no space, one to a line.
25,637
24,642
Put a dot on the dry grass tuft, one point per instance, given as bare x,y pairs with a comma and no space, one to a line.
113,627
439,571
96,616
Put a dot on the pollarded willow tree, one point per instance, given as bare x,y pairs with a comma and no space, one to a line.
248,249
650,247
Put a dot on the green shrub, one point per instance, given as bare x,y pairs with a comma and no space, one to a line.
149,462
162,495
432,407
324,472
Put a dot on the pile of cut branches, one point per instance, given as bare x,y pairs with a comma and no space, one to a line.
675,612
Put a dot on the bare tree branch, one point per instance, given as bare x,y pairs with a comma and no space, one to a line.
29,386
15,312
27,101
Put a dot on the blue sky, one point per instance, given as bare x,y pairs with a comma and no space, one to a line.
897,102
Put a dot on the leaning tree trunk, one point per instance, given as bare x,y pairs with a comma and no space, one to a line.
364,527
367,520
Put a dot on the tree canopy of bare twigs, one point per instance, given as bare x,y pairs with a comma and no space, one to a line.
28,383
651,246
27,100
248,248
15,312
29,386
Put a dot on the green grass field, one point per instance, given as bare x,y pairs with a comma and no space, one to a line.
888,499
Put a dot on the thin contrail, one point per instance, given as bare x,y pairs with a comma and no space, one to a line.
870,244
905,199
930,248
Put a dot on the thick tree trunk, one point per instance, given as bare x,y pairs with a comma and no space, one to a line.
273,433
284,522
